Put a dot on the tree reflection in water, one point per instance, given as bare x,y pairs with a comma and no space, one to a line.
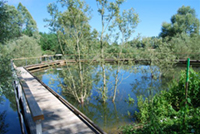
3,126
109,116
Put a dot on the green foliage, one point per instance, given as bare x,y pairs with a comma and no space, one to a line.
15,22
26,22
72,85
142,116
30,47
167,112
24,47
48,41
130,100
8,24
74,37
13,44
184,21
184,46
71,26
162,57
115,20
177,90
6,79
5,69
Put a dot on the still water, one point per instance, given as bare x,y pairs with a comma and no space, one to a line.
9,120
133,81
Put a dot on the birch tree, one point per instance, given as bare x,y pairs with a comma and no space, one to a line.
126,23
73,31
107,11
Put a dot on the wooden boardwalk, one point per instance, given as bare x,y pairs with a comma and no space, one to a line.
58,119
37,67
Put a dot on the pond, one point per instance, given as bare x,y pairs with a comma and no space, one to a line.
9,120
133,81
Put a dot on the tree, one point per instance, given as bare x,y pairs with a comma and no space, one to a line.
26,22
73,33
126,24
184,46
15,22
184,21
24,46
5,70
8,22
48,41
107,11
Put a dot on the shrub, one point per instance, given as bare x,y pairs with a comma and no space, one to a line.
167,111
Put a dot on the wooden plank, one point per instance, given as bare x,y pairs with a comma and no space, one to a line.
64,129
33,106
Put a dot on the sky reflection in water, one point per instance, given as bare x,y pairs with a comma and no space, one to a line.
8,115
109,116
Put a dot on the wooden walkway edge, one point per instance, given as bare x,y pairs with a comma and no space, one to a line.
58,119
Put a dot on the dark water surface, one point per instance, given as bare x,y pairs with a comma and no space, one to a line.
9,120
110,116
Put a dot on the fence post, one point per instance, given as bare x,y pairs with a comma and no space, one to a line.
38,127
187,79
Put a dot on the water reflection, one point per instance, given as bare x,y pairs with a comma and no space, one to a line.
9,115
9,121
148,82
3,126
140,80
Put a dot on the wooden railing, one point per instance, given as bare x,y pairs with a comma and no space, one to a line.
28,109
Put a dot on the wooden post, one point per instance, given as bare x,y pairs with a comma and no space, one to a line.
18,106
38,127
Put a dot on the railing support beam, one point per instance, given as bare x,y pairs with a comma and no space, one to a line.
38,127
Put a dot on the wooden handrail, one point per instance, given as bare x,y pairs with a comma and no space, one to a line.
23,58
36,112
24,95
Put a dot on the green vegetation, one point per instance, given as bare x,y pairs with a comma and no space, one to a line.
72,36
18,38
167,111
184,21
49,43
26,23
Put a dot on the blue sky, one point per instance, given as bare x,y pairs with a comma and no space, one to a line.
152,13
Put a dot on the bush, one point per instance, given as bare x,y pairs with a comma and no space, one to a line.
167,112
5,69
177,90
24,47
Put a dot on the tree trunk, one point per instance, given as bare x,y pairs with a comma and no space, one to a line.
80,73
118,69
104,90
116,82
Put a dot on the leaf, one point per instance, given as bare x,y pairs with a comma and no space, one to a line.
189,100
